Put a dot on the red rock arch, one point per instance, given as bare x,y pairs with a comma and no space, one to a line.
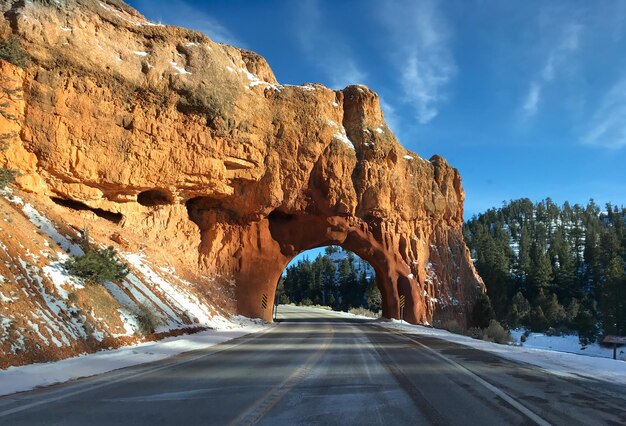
399,212
274,171
260,251
296,233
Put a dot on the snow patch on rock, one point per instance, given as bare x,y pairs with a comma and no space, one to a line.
179,69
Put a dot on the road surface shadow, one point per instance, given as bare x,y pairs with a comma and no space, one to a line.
324,320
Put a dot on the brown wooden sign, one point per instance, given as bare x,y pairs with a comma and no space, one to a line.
619,340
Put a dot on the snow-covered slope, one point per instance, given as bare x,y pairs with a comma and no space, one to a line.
27,377
568,343
45,314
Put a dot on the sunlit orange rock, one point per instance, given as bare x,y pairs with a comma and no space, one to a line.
195,147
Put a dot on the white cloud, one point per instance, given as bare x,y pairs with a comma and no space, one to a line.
390,115
345,73
557,58
325,47
188,16
608,124
216,31
421,53
532,99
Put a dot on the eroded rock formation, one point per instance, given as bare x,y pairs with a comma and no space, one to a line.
195,147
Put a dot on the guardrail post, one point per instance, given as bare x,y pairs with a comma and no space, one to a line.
614,350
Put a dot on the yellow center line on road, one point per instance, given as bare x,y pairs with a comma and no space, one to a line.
256,412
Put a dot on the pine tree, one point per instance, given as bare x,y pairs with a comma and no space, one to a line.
280,291
482,313
322,282
613,299
565,281
328,277
331,249
493,266
524,261
374,298
577,237
568,252
554,312
585,325
541,272
572,312
362,288
593,269
520,309
350,290
538,321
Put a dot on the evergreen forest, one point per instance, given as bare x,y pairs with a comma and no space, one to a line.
553,268
548,268
336,278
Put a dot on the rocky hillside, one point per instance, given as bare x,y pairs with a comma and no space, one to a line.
191,153
45,313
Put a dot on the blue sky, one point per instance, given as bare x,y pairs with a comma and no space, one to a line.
526,99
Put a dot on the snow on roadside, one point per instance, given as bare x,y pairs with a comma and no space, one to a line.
559,363
27,377
568,343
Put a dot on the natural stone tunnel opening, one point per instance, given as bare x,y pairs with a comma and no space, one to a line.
259,251
77,205
155,197
330,277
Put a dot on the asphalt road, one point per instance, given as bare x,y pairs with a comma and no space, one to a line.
317,368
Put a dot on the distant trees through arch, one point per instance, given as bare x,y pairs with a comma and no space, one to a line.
336,278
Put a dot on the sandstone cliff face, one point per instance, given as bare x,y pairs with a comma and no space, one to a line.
195,148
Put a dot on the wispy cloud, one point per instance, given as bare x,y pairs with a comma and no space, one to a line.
532,99
390,115
325,47
421,53
187,16
608,125
557,57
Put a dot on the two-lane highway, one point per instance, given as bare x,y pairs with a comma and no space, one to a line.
316,367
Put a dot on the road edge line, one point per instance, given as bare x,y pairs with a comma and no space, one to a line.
499,392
